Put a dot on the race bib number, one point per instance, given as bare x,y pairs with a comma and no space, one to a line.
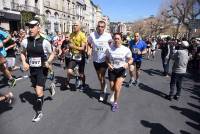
35,62
77,57
99,49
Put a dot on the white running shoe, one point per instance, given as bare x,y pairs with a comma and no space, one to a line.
102,96
112,97
52,89
37,117
9,98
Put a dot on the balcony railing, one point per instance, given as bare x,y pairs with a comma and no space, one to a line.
29,8
15,6
18,7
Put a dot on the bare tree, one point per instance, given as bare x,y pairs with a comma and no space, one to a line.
182,11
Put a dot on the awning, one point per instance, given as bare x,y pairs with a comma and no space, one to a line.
9,16
81,2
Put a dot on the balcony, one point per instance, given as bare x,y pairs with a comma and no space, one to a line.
14,6
18,7
47,3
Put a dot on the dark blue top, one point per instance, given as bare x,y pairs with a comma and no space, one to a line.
141,45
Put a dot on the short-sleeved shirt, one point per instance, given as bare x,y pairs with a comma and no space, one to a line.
118,55
99,45
78,40
46,46
3,35
141,45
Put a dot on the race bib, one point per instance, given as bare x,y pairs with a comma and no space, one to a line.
99,49
35,62
77,57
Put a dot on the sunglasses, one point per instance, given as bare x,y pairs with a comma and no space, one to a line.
101,26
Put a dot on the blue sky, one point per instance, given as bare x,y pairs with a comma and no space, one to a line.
128,10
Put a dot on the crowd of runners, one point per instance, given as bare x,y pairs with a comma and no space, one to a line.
113,53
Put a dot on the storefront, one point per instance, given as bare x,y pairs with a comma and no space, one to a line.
10,21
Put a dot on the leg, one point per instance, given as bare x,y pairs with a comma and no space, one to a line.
172,85
179,84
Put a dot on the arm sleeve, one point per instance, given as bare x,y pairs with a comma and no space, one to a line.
24,45
47,47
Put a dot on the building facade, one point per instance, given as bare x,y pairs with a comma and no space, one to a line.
55,16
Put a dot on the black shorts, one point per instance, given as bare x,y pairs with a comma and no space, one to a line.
137,64
67,60
72,64
152,50
38,76
148,46
98,66
116,73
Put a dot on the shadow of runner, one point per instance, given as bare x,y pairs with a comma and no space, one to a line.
153,72
31,99
151,90
193,115
95,93
156,128
4,107
184,132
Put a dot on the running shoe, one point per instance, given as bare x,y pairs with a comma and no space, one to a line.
9,98
101,97
130,83
82,88
52,89
37,117
12,82
176,97
115,107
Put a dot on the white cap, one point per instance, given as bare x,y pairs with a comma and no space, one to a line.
33,23
184,43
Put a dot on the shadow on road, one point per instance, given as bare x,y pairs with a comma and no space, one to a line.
156,128
153,72
61,81
184,132
151,90
95,93
4,107
194,91
192,115
31,98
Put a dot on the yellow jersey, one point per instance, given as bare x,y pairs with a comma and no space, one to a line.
78,40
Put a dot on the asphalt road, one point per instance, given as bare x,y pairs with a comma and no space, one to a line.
143,109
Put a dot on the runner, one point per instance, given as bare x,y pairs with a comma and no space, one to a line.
153,47
34,56
98,42
118,58
138,48
77,46
4,38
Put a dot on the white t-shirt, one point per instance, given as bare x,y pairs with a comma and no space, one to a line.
99,45
118,55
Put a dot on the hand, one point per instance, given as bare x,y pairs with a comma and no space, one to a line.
26,66
47,65
139,52
126,65
110,67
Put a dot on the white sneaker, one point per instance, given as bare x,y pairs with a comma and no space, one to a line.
52,89
9,98
112,97
102,96
37,117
